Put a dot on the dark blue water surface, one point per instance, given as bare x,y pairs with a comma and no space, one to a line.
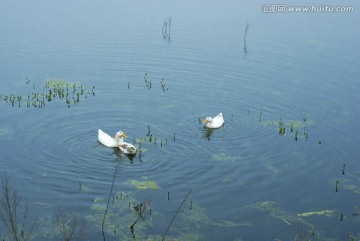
247,181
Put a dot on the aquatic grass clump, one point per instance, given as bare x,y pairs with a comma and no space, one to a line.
151,138
123,212
71,91
292,127
148,83
281,127
54,89
144,184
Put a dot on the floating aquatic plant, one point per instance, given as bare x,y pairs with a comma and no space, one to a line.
197,216
223,157
120,216
143,184
281,127
325,212
276,212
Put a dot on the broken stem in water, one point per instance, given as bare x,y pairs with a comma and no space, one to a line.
177,211
246,30
107,205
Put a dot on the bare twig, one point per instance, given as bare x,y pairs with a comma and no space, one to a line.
246,31
9,202
177,211
108,202
70,228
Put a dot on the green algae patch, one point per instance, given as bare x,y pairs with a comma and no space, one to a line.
223,157
326,212
276,212
294,124
273,209
197,216
50,83
349,183
143,185
121,213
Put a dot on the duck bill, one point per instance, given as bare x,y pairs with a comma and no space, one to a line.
205,121
124,135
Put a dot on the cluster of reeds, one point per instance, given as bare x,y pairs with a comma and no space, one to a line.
337,189
282,129
148,83
54,89
163,87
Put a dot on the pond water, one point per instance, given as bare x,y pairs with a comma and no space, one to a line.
155,70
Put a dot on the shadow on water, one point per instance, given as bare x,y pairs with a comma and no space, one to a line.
207,133
121,155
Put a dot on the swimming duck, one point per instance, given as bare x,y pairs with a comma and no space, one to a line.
216,122
116,141
126,147
109,141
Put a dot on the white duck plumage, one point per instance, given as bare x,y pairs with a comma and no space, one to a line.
216,122
126,147
107,140
116,141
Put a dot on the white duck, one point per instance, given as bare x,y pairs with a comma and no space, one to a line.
216,122
116,141
109,141
126,147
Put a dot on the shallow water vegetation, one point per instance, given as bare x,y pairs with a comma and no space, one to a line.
276,212
346,183
292,126
71,92
124,212
197,216
143,184
325,212
18,229
224,157
151,137
166,29
149,85
65,226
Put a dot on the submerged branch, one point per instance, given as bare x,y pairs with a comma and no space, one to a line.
9,203
177,211
108,202
246,31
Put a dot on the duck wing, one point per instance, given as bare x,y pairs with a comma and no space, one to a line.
106,140
127,148
217,121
